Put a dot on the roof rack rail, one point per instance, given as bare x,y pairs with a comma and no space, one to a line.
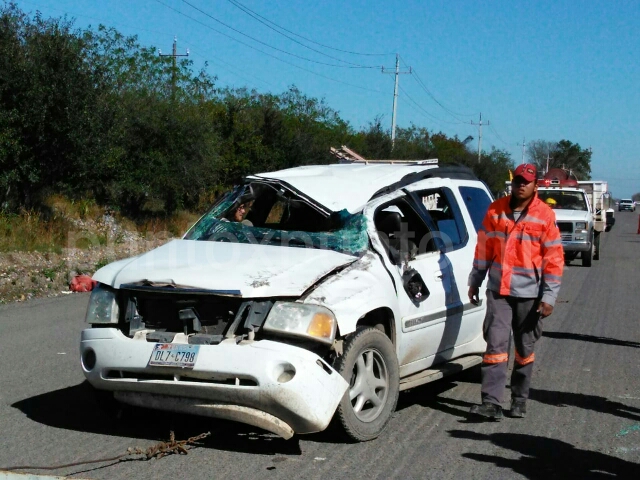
430,161
458,172
346,155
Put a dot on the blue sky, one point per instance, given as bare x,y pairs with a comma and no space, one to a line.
546,70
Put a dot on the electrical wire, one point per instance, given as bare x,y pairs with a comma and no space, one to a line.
428,92
433,117
247,10
210,58
269,54
264,43
498,136
234,70
264,21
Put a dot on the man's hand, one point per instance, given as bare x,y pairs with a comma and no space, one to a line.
473,295
544,309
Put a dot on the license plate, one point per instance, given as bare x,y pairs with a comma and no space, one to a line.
174,355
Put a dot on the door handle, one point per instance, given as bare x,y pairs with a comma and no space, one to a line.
438,276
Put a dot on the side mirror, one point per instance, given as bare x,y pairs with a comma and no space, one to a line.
414,286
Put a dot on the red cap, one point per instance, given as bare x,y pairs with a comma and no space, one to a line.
526,171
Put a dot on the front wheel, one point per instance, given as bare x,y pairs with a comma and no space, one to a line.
370,365
587,257
596,246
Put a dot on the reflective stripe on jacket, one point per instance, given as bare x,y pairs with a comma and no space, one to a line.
524,258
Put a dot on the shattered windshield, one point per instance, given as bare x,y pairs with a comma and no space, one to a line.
559,199
271,214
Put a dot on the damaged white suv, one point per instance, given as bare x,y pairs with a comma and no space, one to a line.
302,295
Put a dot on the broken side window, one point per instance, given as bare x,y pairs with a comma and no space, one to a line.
402,231
450,231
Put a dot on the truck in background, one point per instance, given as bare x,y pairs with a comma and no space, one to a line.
602,202
584,210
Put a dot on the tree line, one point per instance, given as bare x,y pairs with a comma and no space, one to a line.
94,114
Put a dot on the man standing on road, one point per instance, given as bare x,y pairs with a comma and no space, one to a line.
519,245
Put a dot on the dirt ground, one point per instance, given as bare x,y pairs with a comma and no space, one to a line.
26,275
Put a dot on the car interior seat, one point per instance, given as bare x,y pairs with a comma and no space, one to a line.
389,223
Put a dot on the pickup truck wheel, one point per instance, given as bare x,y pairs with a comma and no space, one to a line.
596,246
587,257
370,365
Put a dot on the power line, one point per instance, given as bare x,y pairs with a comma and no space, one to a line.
247,10
498,136
264,43
209,58
233,69
269,54
428,92
425,112
264,21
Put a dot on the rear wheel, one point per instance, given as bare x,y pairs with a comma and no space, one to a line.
370,365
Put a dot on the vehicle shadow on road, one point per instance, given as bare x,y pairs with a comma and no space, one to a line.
590,338
75,408
430,395
588,402
546,458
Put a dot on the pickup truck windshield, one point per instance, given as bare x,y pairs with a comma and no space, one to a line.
566,200
270,214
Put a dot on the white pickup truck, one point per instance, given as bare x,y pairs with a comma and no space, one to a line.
575,219
333,288
584,210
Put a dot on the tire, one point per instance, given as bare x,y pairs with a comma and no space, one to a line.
586,258
596,246
370,365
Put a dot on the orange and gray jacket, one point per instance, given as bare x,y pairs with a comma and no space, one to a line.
524,258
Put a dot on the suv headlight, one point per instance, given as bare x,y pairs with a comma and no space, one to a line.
312,321
103,306
581,225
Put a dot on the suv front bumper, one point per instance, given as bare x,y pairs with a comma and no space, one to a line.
571,246
242,382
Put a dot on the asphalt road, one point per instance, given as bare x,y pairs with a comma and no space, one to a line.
583,421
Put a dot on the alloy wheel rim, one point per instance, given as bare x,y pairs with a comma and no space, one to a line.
369,385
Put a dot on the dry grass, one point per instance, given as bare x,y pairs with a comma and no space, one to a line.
48,231
173,226
60,206
29,232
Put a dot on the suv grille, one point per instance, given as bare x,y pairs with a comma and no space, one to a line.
160,311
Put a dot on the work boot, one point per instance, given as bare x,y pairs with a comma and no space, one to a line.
489,411
518,409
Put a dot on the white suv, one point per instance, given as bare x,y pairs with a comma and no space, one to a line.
341,286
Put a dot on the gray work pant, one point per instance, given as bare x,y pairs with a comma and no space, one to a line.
504,314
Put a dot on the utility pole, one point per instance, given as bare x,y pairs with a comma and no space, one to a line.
395,98
547,169
174,54
524,146
479,135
